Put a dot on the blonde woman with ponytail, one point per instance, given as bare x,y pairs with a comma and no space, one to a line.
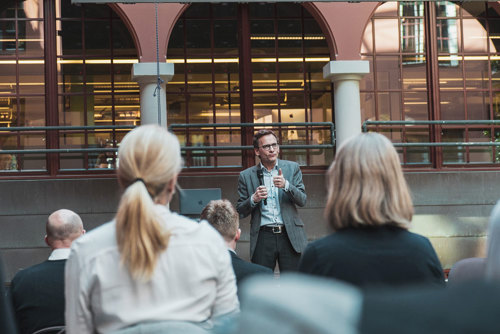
149,266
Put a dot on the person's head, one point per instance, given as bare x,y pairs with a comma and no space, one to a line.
492,270
223,217
266,147
150,160
366,186
63,226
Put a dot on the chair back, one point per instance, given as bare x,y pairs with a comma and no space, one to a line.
51,330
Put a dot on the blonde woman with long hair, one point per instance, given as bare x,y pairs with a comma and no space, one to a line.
369,209
148,265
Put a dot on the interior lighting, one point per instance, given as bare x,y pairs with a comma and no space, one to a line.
255,105
257,81
203,60
456,57
72,61
116,120
218,114
254,60
119,107
28,62
21,39
267,38
117,91
281,89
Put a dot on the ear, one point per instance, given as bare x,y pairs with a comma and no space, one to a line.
256,150
238,235
47,241
171,185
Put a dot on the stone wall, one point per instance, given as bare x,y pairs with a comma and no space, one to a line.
452,209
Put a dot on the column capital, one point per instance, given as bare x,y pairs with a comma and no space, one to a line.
337,70
147,72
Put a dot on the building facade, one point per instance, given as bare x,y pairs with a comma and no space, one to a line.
75,78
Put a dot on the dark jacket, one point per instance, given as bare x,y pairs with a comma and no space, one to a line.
382,255
289,200
7,325
244,269
38,296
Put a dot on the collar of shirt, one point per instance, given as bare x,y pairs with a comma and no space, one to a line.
59,254
261,166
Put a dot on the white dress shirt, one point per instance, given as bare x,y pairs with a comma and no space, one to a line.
193,280
59,254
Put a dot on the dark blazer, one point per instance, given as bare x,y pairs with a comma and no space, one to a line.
382,255
38,296
289,200
7,325
243,269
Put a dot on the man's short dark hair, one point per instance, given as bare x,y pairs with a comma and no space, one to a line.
262,133
222,215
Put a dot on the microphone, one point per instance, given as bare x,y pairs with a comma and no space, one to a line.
260,176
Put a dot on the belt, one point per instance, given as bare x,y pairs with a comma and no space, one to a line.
276,229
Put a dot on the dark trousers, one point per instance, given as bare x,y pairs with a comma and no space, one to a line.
272,247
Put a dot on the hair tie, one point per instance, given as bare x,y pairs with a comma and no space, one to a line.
141,180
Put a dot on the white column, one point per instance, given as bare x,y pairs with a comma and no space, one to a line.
146,75
346,74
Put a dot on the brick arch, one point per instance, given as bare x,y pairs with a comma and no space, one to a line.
345,25
140,19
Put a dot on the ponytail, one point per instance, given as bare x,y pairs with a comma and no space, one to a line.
150,160
140,236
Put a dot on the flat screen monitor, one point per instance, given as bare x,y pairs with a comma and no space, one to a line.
192,201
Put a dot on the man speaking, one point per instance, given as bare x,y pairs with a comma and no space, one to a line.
270,192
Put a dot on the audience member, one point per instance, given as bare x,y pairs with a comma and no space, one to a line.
469,269
476,268
38,291
369,208
7,324
149,266
299,304
492,267
470,307
223,217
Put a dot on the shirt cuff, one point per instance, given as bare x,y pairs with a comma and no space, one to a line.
287,185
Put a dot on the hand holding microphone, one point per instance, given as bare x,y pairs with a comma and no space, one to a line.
261,191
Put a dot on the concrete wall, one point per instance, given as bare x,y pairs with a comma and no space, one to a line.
452,208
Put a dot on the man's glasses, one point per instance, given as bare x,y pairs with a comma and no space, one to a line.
268,146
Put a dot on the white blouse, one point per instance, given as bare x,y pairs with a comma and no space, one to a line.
193,280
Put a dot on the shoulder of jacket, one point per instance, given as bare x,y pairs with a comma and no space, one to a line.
289,163
247,171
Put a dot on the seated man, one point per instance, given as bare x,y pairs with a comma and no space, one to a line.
7,325
38,292
223,217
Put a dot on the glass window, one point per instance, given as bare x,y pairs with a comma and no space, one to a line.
282,70
463,50
87,87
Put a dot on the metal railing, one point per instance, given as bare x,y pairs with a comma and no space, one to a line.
172,128
366,124
327,125
68,129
